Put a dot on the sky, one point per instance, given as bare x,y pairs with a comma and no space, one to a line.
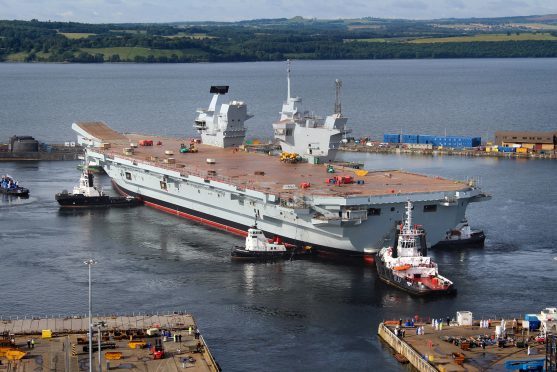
122,11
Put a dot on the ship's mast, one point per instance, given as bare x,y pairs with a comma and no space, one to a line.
338,104
408,222
288,79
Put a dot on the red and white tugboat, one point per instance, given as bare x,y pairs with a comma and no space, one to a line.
406,264
462,236
259,248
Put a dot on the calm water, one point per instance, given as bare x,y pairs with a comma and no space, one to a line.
465,97
301,315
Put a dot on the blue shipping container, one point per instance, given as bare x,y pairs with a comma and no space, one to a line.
426,139
448,141
391,138
534,325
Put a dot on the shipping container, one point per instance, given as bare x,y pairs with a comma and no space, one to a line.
548,147
425,139
391,138
449,141
522,150
506,149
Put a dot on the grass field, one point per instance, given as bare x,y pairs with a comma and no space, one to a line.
190,36
20,57
129,53
374,40
75,35
485,37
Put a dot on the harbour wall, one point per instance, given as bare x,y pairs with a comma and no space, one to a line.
449,152
403,348
55,153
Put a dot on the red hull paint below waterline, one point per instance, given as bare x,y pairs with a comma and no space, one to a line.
204,221
325,252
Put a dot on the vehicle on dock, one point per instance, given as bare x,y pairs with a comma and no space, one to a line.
406,265
259,248
9,186
462,236
87,195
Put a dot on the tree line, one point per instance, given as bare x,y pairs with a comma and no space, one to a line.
271,41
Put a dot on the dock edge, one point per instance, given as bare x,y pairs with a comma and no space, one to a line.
403,348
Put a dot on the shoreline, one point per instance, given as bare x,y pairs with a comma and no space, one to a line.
448,152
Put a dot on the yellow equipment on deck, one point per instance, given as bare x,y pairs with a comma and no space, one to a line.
11,353
137,344
113,355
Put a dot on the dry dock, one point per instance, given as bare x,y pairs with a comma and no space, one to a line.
67,348
437,350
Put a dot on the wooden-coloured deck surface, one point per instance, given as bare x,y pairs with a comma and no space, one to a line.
239,168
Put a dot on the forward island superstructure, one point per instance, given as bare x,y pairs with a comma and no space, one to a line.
224,187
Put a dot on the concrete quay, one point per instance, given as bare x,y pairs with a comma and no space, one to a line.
436,350
67,348
448,152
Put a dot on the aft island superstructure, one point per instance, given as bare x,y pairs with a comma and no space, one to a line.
225,187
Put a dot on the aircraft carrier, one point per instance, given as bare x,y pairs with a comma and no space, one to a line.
219,184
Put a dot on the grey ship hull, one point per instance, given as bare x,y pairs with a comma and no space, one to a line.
223,206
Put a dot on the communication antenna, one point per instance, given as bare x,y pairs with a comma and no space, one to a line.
338,105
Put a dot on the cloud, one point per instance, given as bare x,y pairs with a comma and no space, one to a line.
67,14
232,10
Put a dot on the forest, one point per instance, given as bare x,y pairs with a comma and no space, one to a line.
276,39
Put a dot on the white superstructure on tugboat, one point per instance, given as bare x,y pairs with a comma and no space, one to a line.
223,186
462,236
86,194
406,265
258,247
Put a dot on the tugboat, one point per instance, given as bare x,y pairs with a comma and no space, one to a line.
406,264
259,248
10,186
462,236
87,195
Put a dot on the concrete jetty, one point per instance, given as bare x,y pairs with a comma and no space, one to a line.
61,343
459,348
394,149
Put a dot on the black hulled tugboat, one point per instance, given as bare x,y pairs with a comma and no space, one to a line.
259,248
406,265
87,195
9,186
462,236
